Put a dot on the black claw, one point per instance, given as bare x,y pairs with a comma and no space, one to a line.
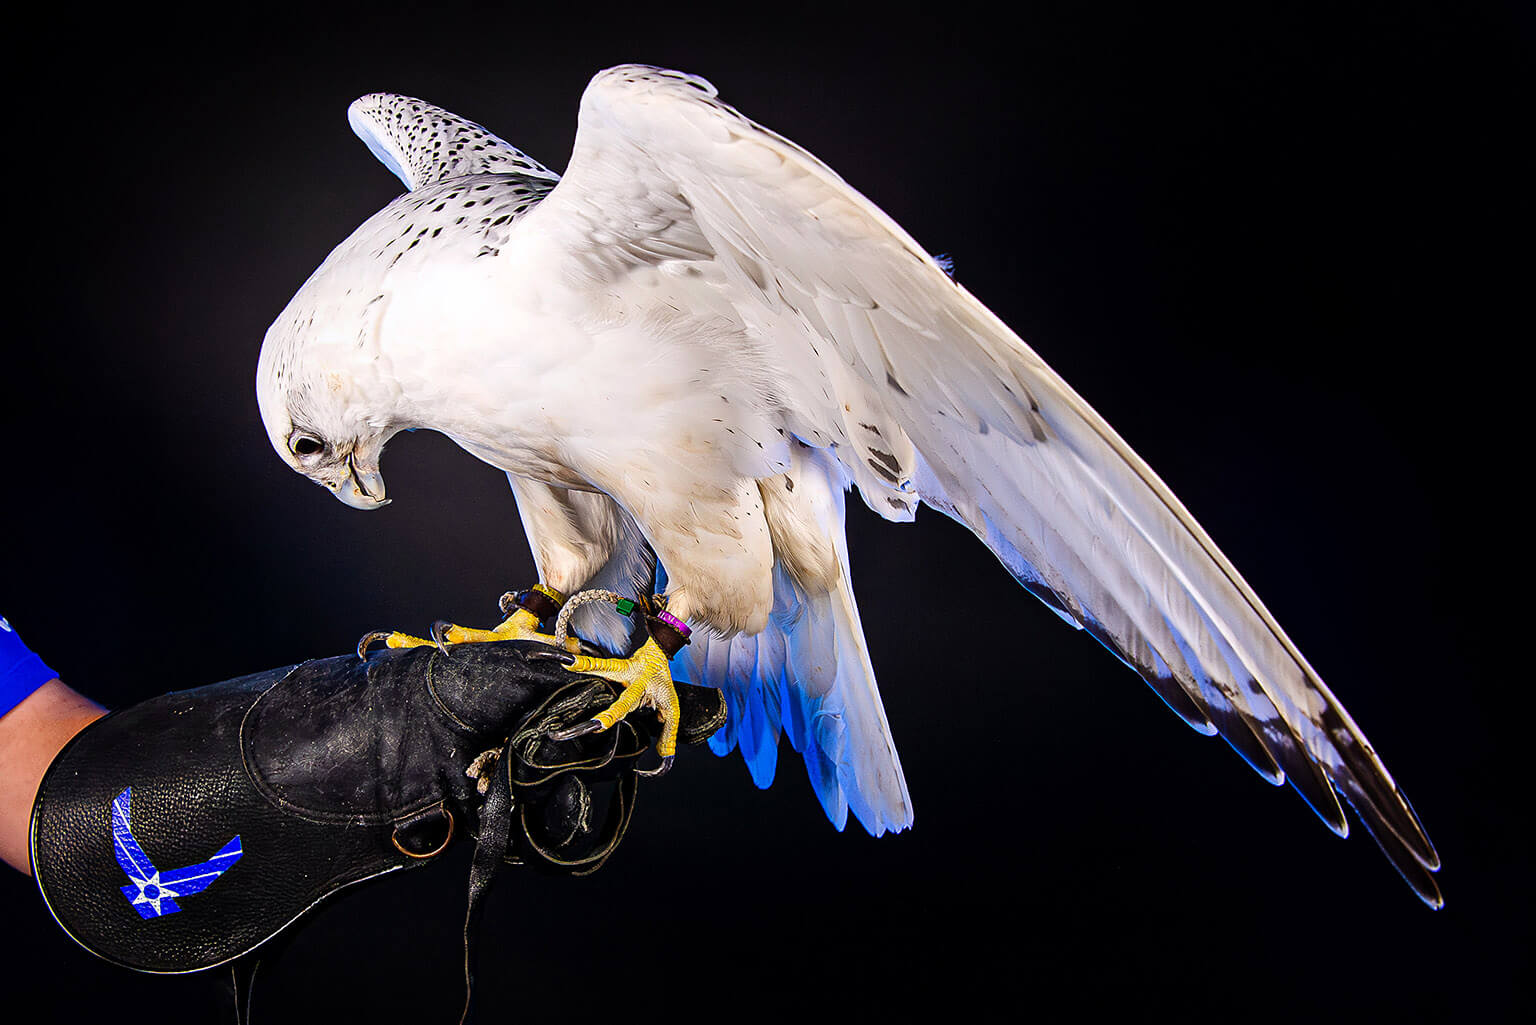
508,604
660,770
565,658
579,730
367,640
438,629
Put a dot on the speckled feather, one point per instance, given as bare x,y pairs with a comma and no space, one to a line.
707,334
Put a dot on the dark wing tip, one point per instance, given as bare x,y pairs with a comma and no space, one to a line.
1376,799
1403,857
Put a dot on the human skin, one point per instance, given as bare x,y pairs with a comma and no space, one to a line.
31,735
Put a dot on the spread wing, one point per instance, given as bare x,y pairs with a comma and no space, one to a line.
922,393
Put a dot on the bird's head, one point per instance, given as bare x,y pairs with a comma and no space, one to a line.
318,423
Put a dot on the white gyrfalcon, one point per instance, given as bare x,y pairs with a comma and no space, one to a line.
683,353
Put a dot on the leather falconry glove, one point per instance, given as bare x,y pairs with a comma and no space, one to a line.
186,832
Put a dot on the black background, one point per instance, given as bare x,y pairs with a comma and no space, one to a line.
1266,246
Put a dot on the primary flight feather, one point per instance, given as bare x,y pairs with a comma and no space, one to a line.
684,352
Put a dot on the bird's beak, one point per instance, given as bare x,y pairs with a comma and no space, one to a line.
364,486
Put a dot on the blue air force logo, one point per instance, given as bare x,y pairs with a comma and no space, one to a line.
153,892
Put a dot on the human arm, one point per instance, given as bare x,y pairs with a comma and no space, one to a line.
38,716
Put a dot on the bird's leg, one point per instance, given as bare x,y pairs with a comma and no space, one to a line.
646,677
524,611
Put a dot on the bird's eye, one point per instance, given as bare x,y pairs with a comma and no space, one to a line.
304,445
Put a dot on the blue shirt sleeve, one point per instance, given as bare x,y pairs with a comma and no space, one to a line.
21,671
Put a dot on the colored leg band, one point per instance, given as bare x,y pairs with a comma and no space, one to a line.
669,632
543,602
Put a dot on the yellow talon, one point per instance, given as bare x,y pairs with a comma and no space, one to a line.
647,681
519,625
646,676
391,639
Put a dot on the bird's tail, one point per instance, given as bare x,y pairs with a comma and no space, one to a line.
808,675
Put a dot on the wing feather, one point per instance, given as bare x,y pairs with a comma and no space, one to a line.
860,321
421,143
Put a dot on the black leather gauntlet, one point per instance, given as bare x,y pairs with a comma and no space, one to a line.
188,830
